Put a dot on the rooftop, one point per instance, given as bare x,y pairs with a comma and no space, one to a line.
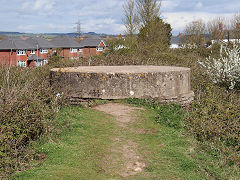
64,42
14,43
91,42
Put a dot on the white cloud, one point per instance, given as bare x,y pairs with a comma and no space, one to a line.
199,5
43,5
101,16
38,7
179,20
169,5
48,27
103,25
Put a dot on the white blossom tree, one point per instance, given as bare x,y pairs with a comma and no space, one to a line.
226,69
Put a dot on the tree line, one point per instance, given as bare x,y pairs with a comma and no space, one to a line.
199,32
145,29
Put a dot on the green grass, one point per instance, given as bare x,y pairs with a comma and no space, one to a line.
76,154
180,153
168,151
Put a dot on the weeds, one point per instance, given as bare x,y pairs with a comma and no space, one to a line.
172,115
27,108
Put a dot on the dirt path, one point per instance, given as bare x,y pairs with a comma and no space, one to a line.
124,158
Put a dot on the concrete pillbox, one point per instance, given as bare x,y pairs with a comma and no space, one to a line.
162,83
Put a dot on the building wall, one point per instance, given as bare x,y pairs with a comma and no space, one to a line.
66,53
5,57
91,51
88,51
38,53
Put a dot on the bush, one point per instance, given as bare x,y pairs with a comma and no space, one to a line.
27,109
215,119
226,69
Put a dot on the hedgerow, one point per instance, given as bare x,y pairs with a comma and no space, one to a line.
27,110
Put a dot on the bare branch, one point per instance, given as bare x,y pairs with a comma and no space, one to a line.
148,10
130,18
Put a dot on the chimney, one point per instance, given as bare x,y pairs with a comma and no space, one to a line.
221,35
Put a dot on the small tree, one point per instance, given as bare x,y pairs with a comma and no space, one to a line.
226,69
156,35
216,28
194,33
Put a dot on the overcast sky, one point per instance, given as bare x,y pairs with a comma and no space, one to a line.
101,16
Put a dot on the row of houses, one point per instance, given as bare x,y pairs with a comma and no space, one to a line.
35,51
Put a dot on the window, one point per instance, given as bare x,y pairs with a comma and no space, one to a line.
80,50
45,61
73,50
43,51
21,52
100,48
32,51
21,63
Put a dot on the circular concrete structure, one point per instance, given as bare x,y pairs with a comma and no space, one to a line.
162,83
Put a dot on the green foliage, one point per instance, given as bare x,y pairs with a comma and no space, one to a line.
54,60
147,10
155,35
78,150
171,115
215,119
122,46
27,108
201,156
81,151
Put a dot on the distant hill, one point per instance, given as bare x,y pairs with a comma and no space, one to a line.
2,33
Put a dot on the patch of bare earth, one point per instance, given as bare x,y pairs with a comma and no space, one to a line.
123,159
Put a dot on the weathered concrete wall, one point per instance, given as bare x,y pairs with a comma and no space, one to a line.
163,83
